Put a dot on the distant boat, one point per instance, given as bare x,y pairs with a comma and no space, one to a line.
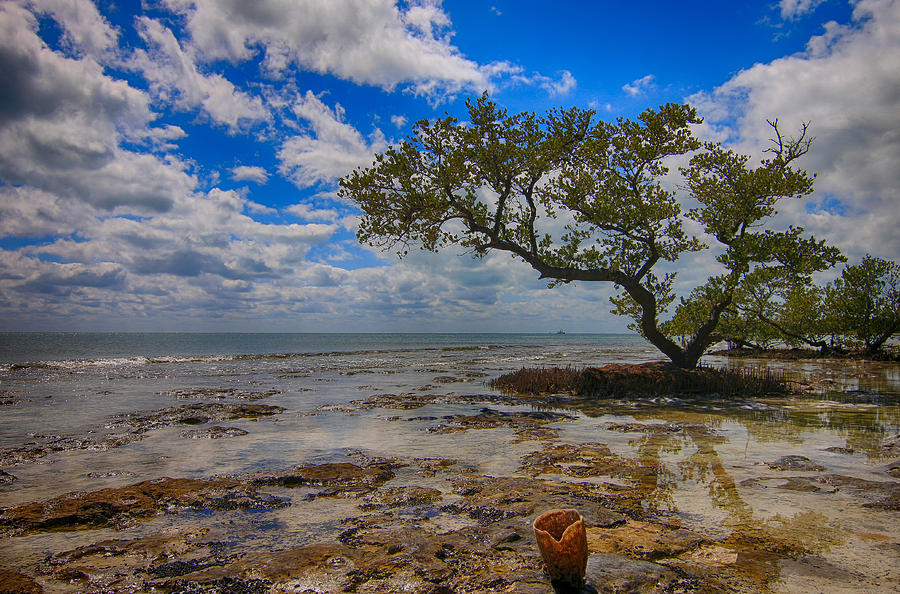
561,332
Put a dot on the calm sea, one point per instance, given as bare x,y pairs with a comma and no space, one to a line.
112,347
71,383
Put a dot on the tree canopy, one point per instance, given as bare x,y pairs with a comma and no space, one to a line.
863,304
857,311
581,199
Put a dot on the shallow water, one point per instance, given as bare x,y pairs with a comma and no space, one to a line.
713,459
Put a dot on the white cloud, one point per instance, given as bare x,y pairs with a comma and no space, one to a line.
29,212
330,149
250,173
310,213
506,73
846,84
565,84
398,120
85,31
372,42
791,9
63,120
640,86
174,77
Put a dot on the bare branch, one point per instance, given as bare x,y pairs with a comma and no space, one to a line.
788,149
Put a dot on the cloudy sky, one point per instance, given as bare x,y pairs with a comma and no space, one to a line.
172,164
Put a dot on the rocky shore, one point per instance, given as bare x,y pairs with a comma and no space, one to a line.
435,525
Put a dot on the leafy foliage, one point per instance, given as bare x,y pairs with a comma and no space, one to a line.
580,199
863,304
860,310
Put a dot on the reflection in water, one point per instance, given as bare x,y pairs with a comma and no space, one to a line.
710,468
702,464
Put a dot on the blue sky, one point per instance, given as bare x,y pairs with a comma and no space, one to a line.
172,164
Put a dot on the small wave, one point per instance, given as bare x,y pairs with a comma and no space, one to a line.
77,363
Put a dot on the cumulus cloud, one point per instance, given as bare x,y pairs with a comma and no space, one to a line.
331,148
563,85
372,42
85,31
205,248
64,279
30,212
250,173
310,213
640,86
63,120
846,85
791,9
174,77
116,224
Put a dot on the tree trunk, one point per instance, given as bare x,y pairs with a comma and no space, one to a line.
649,326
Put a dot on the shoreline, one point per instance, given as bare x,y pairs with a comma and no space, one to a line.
378,474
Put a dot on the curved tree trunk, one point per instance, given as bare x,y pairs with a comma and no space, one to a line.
650,327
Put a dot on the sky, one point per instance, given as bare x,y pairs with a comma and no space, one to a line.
172,165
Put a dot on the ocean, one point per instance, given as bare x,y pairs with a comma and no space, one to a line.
70,348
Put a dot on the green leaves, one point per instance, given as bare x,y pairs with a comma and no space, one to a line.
585,200
864,302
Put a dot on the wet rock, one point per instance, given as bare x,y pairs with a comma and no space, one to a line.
128,428
124,565
214,432
795,463
179,568
805,484
644,427
219,393
475,559
431,466
401,497
643,540
489,418
6,478
193,414
446,379
893,469
122,507
8,398
414,400
489,500
408,401
47,445
840,450
890,447
632,482
111,474
609,572
13,582
339,479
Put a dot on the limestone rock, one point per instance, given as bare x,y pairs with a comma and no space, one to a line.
795,463
608,572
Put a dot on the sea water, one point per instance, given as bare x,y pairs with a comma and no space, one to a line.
73,385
